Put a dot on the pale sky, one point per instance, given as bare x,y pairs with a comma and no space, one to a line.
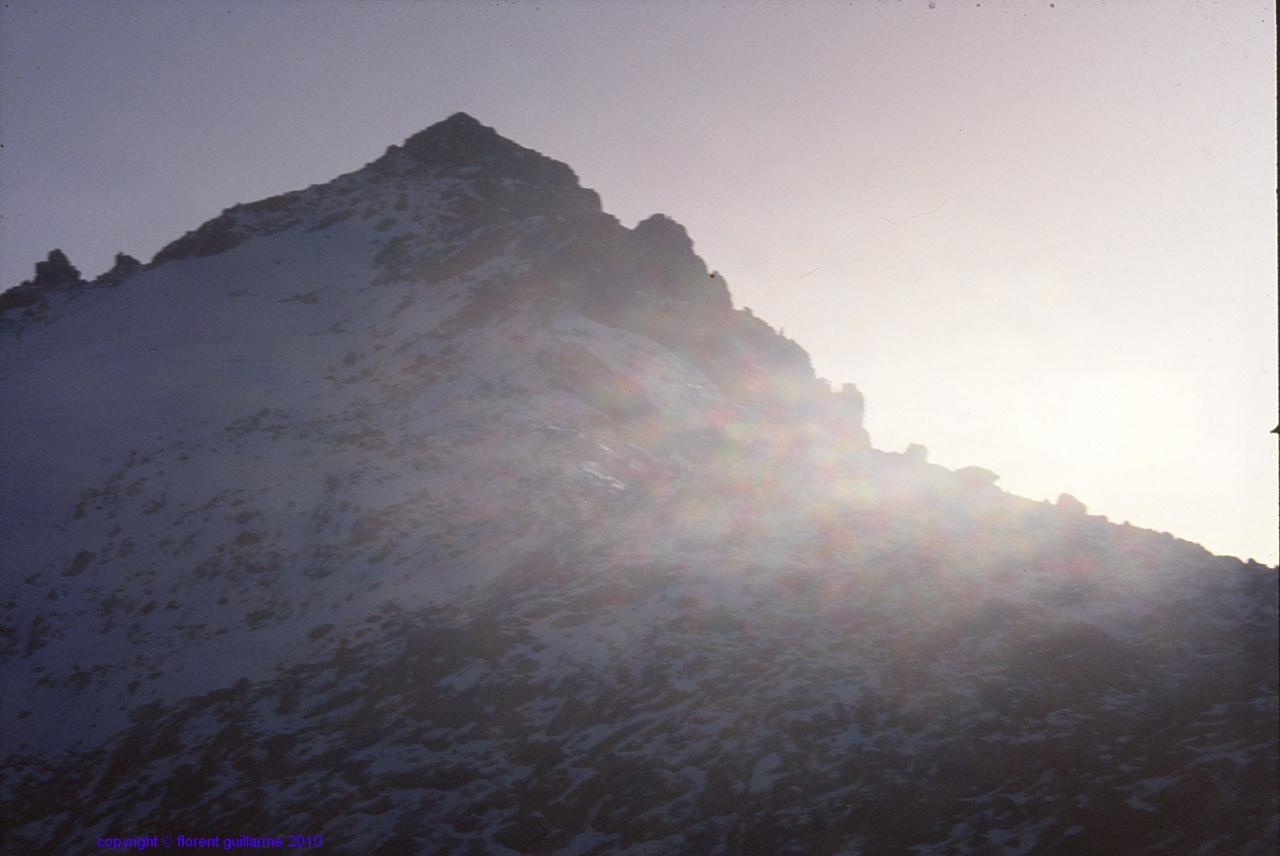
1039,236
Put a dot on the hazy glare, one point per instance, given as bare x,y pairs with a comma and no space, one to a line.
1039,237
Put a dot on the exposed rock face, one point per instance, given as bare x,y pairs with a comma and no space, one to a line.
55,272
125,266
432,510
215,237
1071,505
672,267
23,297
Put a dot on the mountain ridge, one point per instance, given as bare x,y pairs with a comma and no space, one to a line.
471,175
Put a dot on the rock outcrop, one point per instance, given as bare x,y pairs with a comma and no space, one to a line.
29,298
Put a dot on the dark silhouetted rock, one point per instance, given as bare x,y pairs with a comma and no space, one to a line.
54,272
124,267
661,232
670,267
216,236
916,454
22,296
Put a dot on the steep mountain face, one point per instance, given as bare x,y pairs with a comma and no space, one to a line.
433,510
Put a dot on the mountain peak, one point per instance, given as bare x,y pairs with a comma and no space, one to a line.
460,120
459,129
462,142
499,179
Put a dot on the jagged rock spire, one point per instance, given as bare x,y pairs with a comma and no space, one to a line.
55,270
125,265
661,231
669,260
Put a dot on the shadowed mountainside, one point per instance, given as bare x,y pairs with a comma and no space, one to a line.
432,510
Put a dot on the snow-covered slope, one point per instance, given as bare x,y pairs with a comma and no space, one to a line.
432,510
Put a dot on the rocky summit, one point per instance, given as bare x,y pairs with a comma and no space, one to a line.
432,510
